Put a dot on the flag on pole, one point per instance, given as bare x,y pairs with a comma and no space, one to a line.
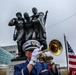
71,59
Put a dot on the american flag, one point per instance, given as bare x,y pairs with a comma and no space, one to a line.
71,59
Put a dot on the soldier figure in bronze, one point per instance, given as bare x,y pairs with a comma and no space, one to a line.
38,21
28,28
18,22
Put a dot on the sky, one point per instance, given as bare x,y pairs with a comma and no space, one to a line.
61,20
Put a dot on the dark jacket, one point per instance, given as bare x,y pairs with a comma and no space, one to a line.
21,69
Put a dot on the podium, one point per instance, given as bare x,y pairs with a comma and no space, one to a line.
10,68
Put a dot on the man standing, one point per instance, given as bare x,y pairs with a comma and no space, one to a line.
31,66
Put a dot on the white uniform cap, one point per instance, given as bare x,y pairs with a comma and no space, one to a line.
30,45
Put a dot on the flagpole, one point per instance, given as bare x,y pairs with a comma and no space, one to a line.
65,41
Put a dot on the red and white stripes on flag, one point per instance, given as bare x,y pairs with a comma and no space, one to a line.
71,58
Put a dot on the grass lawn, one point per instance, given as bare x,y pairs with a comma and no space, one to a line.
2,72
64,72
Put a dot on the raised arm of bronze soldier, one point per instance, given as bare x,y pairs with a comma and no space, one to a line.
12,22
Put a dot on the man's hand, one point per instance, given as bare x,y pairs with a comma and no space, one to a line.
44,70
35,55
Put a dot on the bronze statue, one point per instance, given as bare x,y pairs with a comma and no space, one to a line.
29,28
18,32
